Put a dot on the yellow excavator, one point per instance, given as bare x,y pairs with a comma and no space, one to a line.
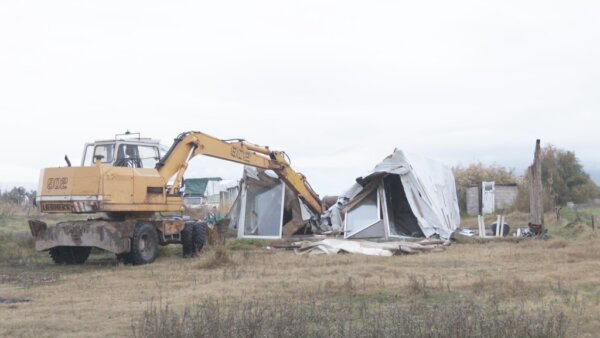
136,184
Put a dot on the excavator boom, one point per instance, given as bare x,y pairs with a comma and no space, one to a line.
130,190
190,144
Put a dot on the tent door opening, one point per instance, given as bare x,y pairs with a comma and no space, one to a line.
400,218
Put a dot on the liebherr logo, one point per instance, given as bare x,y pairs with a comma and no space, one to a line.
240,154
57,183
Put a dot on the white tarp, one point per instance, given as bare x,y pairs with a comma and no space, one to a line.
335,246
427,186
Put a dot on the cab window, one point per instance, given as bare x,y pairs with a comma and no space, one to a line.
149,156
128,156
136,156
106,151
88,158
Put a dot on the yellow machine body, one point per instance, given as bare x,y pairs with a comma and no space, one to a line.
104,189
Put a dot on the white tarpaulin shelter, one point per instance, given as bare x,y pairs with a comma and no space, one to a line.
404,196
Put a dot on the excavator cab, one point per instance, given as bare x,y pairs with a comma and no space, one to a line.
125,150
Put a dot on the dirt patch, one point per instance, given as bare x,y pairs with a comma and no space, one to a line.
220,257
4,300
28,280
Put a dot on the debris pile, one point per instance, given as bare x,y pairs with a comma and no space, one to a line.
334,246
405,197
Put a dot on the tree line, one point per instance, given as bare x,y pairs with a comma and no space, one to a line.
17,195
563,179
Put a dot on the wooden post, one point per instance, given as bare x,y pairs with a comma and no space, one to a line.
480,198
498,220
536,207
481,224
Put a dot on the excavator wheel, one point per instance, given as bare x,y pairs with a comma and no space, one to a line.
187,240
70,254
199,235
144,244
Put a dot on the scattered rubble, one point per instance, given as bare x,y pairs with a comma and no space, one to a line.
335,246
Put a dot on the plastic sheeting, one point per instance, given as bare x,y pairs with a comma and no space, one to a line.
422,202
335,246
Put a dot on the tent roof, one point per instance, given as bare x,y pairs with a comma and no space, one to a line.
429,187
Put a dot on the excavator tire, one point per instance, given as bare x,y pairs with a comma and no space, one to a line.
144,244
199,235
70,254
187,240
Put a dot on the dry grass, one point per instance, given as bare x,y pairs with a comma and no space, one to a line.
8,209
102,298
321,316
219,257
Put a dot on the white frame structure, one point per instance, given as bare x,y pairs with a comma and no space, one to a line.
242,220
383,215
378,216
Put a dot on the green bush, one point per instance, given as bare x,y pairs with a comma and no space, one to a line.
16,248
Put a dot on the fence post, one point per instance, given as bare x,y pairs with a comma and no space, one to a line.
498,220
593,225
481,224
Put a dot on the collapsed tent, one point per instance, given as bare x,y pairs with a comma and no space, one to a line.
404,196
267,208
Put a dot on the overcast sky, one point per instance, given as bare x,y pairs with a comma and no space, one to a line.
336,84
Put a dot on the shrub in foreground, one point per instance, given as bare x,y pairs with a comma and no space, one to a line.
458,317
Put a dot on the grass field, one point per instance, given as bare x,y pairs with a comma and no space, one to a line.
497,289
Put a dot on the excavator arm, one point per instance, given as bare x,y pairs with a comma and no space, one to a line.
190,144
